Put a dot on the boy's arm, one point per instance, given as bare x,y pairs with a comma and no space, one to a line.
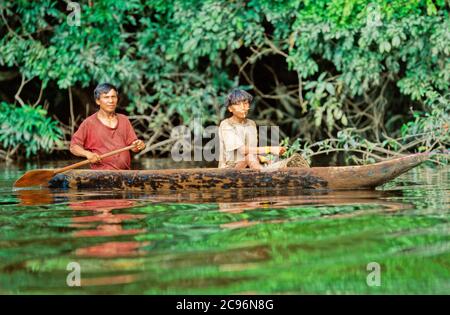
262,150
252,145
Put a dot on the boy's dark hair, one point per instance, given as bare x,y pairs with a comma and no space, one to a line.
104,88
237,96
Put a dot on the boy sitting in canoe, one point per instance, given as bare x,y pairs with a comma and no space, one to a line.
239,139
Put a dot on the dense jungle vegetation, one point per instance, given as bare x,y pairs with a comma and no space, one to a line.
365,77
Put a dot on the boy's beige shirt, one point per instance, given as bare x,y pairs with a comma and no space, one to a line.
232,136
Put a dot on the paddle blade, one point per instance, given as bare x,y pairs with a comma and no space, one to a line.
34,178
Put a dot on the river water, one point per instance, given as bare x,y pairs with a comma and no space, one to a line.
394,240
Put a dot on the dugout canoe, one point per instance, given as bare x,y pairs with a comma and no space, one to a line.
333,178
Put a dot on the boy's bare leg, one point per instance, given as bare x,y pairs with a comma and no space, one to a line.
241,164
253,162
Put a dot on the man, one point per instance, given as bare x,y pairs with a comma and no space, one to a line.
105,131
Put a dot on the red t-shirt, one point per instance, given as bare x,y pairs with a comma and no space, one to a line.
98,138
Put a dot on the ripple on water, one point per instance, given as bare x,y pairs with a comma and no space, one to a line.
231,242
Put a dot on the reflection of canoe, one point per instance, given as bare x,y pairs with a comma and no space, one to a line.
341,177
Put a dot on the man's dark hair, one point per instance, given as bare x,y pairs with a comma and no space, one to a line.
104,88
237,96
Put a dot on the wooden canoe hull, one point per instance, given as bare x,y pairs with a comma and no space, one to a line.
334,178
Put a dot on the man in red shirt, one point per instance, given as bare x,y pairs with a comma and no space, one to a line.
105,131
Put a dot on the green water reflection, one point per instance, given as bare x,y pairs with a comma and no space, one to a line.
240,242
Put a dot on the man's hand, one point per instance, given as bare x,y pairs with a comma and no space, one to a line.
277,150
139,145
93,157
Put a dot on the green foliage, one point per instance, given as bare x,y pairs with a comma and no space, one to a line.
433,123
382,41
176,60
27,129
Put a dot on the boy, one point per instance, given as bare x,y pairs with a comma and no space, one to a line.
238,136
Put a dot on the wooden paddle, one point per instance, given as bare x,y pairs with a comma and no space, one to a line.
40,177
